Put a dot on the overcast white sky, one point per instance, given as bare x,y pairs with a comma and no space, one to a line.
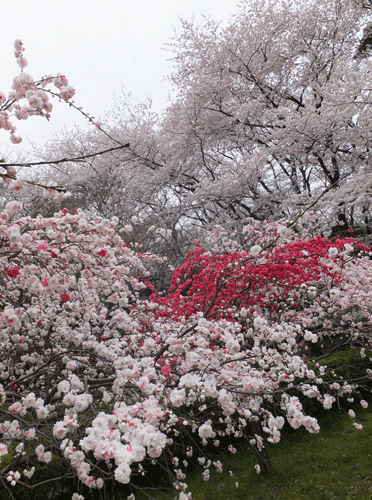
102,47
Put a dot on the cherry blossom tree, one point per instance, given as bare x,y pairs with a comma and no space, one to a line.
274,110
271,113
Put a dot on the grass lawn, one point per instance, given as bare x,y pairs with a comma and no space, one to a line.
336,463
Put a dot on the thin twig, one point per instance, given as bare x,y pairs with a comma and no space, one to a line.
63,160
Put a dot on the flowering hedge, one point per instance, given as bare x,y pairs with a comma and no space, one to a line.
107,380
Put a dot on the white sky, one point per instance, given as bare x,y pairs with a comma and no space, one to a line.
103,47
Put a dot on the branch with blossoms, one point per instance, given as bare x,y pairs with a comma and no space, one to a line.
100,375
29,98
36,94
52,189
25,88
89,118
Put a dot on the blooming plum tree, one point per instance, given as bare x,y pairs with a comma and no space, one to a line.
216,360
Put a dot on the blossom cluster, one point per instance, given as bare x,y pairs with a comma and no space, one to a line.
95,372
29,97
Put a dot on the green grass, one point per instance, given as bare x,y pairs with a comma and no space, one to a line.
336,463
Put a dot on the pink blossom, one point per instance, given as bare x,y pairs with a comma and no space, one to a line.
166,370
3,449
15,139
67,92
42,246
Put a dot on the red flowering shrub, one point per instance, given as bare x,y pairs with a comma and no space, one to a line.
219,285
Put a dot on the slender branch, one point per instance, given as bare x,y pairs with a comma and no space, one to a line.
318,198
166,346
46,481
63,160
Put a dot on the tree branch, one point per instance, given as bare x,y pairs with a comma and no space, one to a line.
63,160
